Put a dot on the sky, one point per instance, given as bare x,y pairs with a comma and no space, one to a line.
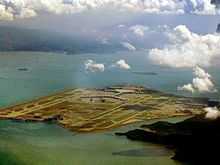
173,33
13,9
89,16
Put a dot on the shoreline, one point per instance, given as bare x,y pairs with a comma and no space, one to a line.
91,110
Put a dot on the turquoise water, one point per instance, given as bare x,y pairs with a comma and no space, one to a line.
49,72
48,144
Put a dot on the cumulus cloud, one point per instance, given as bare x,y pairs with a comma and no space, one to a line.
92,66
139,30
128,46
187,87
212,113
187,49
121,26
29,8
201,83
199,72
5,14
122,64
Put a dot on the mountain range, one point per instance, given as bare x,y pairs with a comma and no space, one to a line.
21,39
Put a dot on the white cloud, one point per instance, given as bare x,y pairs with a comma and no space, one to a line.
5,14
187,87
122,64
17,8
212,113
121,26
187,49
199,72
128,46
27,13
139,30
190,50
92,66
201,83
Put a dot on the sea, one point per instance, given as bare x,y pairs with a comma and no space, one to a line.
28,75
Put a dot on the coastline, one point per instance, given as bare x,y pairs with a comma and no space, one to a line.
91,110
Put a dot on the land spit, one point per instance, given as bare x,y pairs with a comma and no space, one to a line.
89,110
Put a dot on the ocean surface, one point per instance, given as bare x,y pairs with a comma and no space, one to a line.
48,144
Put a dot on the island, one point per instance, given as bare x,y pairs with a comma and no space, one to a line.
145,73
89,110
22,69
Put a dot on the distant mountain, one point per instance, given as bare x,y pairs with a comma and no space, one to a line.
20,39
218,28
216,2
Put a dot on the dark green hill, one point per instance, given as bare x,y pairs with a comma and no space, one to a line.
195,140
